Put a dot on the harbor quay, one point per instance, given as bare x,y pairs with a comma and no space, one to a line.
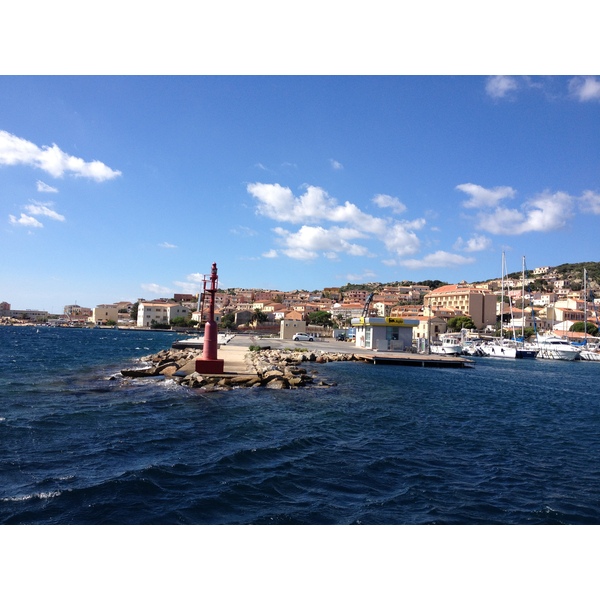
250,361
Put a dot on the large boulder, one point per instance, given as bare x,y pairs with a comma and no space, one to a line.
143,372
278,384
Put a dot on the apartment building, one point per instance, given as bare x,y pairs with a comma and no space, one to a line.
103,313
479,304
352,296
160,312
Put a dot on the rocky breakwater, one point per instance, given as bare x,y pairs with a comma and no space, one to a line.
283,369
273,369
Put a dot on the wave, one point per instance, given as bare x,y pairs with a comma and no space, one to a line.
36,496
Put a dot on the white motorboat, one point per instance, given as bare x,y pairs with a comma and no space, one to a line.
555,348
499,349
450,345
589,354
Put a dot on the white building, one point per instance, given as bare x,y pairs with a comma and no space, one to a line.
162,313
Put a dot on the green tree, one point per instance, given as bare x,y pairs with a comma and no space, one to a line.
320,317
182,322
580,326
433,283
228,321
134,310
258,316
462,322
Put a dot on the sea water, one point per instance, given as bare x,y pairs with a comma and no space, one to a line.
503,442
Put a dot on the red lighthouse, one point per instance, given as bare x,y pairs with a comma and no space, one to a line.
209,364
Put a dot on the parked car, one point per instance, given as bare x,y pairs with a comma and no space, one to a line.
341,337
303,337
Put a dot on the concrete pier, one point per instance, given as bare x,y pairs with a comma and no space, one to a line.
416,360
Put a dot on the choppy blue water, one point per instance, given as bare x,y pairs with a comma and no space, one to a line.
506,442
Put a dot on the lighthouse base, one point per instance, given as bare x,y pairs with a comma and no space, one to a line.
210,366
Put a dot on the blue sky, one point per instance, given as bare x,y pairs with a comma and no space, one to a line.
120,187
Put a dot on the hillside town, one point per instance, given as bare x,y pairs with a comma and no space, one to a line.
543,300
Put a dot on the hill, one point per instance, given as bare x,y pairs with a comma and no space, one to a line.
571,272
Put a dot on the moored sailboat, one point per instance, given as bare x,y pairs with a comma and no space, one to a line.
503,348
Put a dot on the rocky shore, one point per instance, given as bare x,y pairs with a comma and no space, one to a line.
273,369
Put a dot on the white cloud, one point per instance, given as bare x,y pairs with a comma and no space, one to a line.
167,245
481,197
364,276
500,86
335,165
24,221
43,209
502,220
438,259
585,89
400,240
17,151
195,278
590,202
243,231
315,206
278,203
270,254
546,212
309,242
476,244
385,201
45,188
193,284
155,288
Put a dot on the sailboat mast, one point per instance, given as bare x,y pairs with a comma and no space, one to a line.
512,316
585,305
502,298
523,302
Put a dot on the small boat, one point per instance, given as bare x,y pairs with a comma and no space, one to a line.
450,345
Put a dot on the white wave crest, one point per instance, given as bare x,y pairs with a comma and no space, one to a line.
38,496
